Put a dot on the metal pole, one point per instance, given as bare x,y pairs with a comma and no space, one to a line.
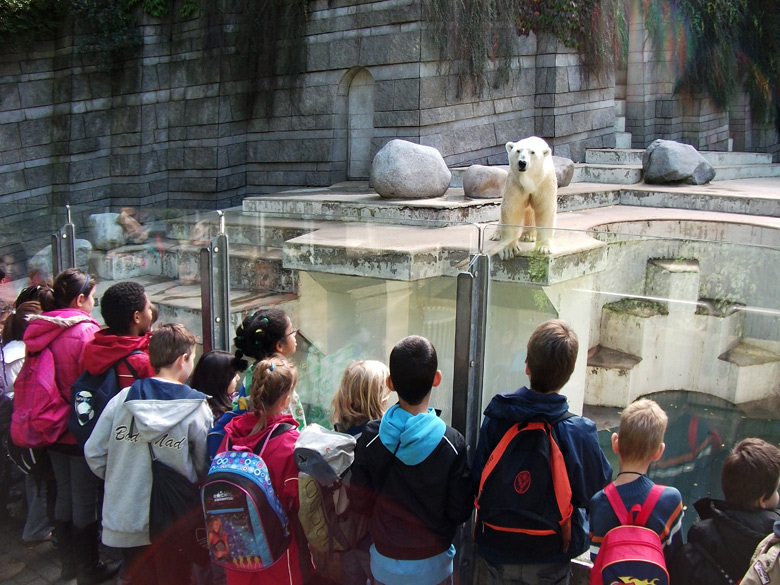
63,246
470,327
215,291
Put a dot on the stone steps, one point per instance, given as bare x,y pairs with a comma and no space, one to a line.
624,166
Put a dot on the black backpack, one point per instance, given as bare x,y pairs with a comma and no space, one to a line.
524,498
89,396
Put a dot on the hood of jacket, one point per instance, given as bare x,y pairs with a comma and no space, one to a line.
239,429
751,524
107,349
44,328
158,405
526,404
412,438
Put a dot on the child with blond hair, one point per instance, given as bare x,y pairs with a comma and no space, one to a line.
638,443
362,396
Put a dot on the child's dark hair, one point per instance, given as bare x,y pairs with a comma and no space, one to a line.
259,333
16,323
68,285
169,341
413,364
272,380
119,303
212,375
751,472
552,353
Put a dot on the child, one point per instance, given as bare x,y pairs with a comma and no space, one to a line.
171,417
66,327
362,396
639,442
551,355
262,334
411,476
273,383
728,532
217,375
126,309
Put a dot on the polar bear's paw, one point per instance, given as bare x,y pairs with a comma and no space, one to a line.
542,248
496,235
509,251
528,237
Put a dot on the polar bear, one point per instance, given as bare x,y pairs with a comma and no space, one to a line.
530,198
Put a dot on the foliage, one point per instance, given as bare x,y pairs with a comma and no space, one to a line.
25,21
725,47
479,32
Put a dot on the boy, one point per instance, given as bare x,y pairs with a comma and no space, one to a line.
411,476
728,532
128,315
551,355
638,443
164,415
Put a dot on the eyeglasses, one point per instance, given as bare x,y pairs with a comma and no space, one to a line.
293,332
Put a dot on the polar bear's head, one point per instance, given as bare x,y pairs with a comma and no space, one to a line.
527,153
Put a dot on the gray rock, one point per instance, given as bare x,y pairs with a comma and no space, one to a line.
404,170
104,232
564,170
41,262
667,161
481,182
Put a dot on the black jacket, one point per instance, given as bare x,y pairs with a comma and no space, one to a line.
723,540
414,510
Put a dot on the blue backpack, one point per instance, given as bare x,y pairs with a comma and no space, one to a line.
89,395
247,528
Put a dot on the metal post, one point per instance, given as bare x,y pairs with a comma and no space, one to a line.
215,291
63,247
470,326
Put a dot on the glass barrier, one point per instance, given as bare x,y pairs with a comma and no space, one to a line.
351,286
683,311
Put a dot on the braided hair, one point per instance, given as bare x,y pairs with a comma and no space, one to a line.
273,379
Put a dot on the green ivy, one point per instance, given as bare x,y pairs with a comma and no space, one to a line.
25,21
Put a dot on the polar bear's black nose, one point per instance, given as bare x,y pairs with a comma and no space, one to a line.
521,164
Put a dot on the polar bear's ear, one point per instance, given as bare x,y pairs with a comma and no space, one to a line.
546,151
510,146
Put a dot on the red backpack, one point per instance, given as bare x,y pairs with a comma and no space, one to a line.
41,414
631,552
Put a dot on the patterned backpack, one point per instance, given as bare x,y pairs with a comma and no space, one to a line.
247,528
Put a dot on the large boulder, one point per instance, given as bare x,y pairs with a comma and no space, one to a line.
105,233
404,170
481,182
564,170
667,161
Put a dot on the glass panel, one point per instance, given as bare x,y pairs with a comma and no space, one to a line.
683,311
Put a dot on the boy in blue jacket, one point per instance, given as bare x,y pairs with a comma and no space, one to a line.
411,477
551,355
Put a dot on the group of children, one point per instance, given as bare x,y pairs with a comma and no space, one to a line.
411,478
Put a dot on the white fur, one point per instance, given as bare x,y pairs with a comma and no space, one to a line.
530,198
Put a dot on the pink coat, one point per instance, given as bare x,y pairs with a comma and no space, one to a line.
66,332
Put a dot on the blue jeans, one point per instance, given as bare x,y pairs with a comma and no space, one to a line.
530,574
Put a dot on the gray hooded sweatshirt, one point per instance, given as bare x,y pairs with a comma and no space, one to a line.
175,419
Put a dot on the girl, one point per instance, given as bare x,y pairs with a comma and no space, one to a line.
217,374
65,327
272,386
363,396
259,336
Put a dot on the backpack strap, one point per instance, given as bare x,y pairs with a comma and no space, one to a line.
125,360
277,430
642,512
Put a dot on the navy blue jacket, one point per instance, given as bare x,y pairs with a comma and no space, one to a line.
588,468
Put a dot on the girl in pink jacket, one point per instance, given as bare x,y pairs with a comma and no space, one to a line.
65,327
